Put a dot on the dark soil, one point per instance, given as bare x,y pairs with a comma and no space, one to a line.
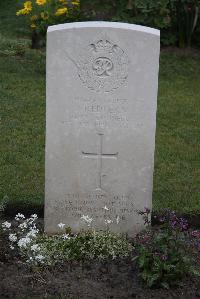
100,280
114,279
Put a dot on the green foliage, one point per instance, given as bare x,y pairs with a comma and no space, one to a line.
185,15
163,254
39,249
42,13
178,20
163,262
150,13
39,14
84,246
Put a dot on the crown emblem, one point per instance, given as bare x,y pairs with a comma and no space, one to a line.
103,66
102,45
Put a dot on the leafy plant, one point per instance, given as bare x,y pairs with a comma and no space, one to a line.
177,19
39,249
42,13
163,254
185,15
148,13
84,246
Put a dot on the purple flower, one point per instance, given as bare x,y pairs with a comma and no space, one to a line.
164,257
183,224
147,210
178,223
173,223
195,233
162,219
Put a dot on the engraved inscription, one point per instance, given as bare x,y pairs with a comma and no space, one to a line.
103,66
98,113
99,156
119,207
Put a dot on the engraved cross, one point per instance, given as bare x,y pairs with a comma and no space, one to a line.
100,156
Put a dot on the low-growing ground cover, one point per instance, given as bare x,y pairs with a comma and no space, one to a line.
22,106
162,262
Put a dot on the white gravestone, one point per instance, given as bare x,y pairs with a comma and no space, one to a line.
100,124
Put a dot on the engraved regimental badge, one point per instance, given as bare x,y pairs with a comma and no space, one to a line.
103,67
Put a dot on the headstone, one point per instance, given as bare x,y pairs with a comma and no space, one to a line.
100,124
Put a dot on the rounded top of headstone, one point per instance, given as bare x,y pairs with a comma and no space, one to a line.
103,24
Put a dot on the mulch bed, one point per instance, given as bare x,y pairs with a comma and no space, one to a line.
113,279
101,280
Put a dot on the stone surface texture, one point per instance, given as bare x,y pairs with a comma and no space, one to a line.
100,124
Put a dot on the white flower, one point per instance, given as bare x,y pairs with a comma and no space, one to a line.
23,242
108,221
35,247
39,258
87,219
34,216
30,259
12,247
33,226
117,219
32,233
61,225
23,225
12,237
66,236
6,224
113,255
19,216
105,208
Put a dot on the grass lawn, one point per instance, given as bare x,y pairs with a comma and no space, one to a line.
22,122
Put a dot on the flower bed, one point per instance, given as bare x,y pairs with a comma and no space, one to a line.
81,265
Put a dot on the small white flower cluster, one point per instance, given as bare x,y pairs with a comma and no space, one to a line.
61,225
108,221
117,219
64,236
19,217
23,242
38,249
12,237
6,225
23,236
87,219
